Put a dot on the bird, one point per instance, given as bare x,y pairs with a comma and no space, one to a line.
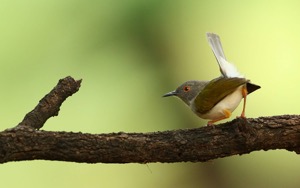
215,100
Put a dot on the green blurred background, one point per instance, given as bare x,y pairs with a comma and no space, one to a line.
128,54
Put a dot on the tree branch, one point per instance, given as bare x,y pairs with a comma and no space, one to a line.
26,142
50,104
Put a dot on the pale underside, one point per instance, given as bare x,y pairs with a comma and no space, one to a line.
229,103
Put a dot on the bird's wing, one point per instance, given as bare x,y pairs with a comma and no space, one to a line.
215,91
227,69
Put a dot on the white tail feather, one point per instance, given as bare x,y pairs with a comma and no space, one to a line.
227,69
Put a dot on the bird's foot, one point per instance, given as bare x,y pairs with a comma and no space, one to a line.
243,116
211,124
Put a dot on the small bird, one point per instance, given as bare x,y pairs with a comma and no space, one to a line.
216,99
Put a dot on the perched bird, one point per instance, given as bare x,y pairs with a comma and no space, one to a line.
216,99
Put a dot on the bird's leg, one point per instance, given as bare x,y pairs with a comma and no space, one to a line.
244,93
227,114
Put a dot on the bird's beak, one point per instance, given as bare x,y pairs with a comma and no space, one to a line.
172,93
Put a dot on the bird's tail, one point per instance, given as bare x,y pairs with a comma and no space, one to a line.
227,69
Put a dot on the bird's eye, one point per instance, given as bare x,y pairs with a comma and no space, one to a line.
186,88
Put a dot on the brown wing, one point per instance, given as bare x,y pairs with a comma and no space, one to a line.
215,91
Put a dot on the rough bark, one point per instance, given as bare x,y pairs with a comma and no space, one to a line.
49,105
27,142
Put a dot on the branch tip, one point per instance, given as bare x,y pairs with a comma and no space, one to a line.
49,105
